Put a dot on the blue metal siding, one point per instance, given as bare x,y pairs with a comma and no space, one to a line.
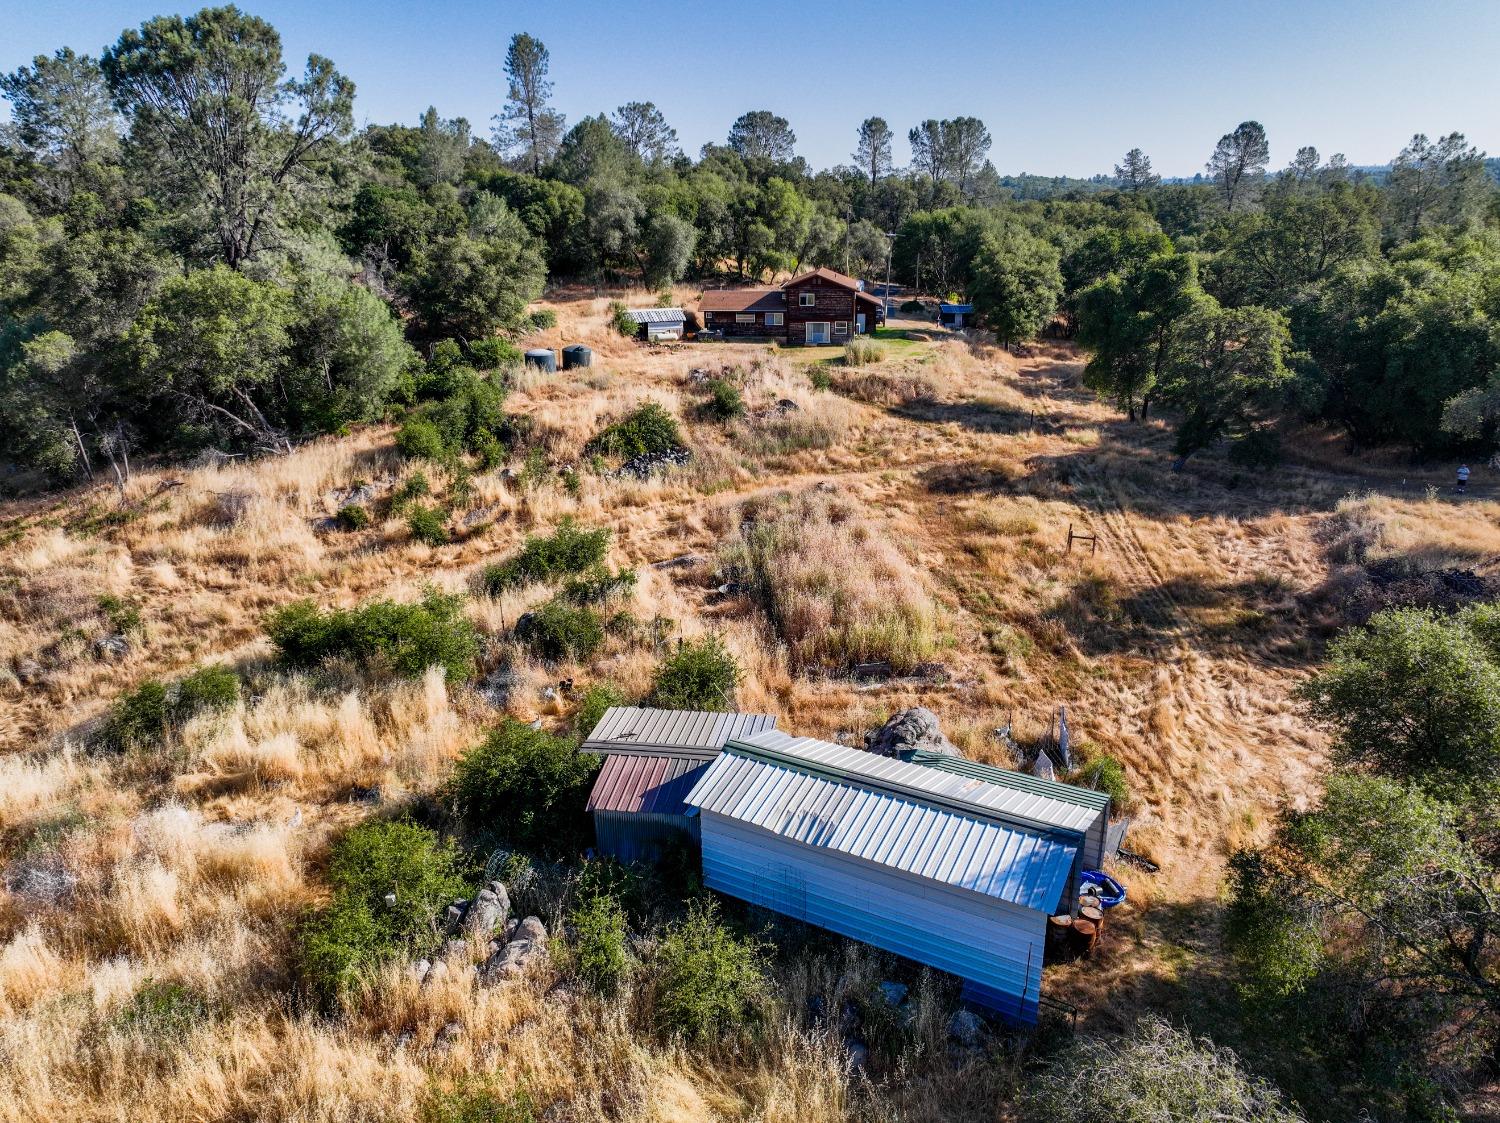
638,836
994,946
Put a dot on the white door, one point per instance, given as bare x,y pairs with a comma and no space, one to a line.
859,323
818,333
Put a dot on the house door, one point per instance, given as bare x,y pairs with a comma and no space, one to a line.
859,323
819,333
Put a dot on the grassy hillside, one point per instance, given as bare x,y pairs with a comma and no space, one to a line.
914,512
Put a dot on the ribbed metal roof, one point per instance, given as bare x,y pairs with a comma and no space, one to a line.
651,784
1019,781
696,734
888,812
656,315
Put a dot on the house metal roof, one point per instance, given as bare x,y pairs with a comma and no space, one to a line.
904,816
644,784
656,315
742,300
823,272
695,734
1018,781
956,307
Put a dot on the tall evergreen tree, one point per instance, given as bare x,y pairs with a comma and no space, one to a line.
1134,172
528,128
873,155
1239,163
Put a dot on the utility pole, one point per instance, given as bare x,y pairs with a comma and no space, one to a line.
890,246
848,226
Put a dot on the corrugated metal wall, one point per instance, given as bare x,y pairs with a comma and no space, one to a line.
990,942
639,836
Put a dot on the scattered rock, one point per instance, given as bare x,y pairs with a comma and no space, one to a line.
1042,767
859,1055
549,694
966,1028
41,879
489,911
648,464
390,900
360,794
420,969
29,672
786,405
498,688
527,946
698,376
111,647
455,947
910,730
448,1035
867,672
679,562
435,973
895,993
531,928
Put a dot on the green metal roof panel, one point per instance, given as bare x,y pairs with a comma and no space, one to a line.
1016,781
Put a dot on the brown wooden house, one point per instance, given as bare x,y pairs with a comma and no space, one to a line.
818,307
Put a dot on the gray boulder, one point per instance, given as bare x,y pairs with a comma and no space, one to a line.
489,911
910,730
966,1028
527,946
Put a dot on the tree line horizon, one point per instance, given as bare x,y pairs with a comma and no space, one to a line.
199,250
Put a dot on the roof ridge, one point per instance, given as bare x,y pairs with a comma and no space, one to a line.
1016,780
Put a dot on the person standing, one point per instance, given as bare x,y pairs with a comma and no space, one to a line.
1463,478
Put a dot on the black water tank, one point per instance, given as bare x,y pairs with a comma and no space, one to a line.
577,356
542,359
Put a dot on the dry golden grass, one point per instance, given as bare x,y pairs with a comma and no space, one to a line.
921,509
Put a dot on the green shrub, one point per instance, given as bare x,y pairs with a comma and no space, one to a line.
526,786
697,676
597,584
725,402
214,687
478,1099
144,716
428,524
820,379
544,319
403,639
596,699
390,882
620,320
123,617
559,630
415,486
649,429
861,352
911,306
1106,774
711,982
599,953
1259,448
494,353
163,1011
568,549
352,516
419,439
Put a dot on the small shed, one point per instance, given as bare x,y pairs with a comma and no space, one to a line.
652,758
659,323
957,316
950,871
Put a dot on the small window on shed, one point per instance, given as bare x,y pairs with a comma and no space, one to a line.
807,299
841,327
744,317
773,319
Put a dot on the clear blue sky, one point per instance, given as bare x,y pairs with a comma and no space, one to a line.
1065,86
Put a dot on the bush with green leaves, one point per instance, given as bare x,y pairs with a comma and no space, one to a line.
494,354
700,675
559,630
123,617
163,1011
479,1099
527,786
391,882
543,319
1106,774
1259,448
353,516
591,706
711,983
648,429
725,402
419,439
568,549
428,524
468,418
145,715
399,639
619,318
598,585
599,954
1155,1073
820,379
415,486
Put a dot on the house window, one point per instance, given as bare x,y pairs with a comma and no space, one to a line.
773,319
841,327
744,317
807,299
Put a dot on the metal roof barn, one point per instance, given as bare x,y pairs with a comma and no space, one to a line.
1096,837
947,870
652,758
